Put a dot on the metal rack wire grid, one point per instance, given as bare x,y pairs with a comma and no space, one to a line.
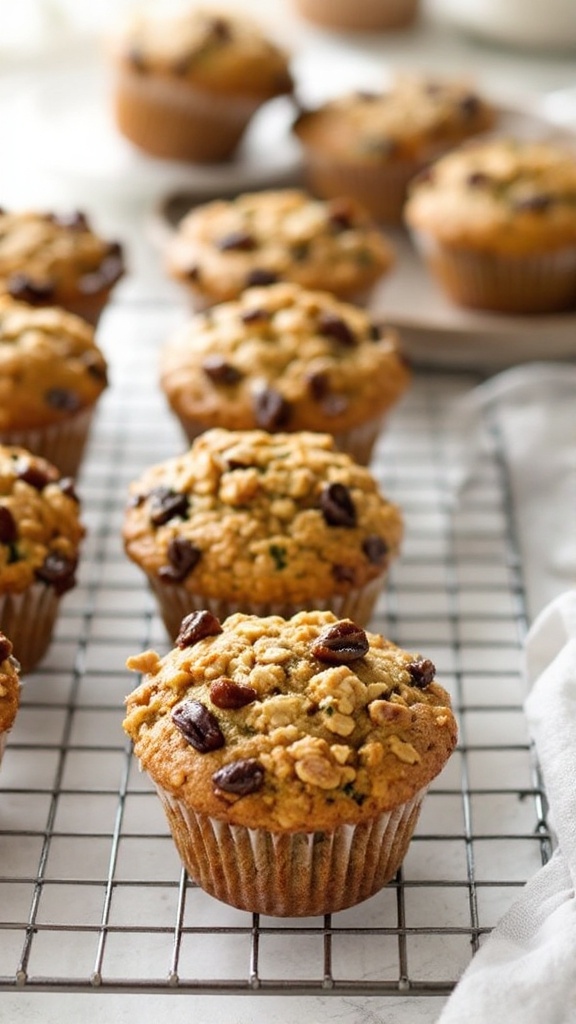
92,895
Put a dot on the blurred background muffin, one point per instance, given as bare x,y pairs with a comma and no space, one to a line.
370,144
57,259
186,84
285,358
261,523
222,247
359,15
40,536
495,222
52,374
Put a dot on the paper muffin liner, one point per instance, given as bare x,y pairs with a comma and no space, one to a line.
61,443
175,601
3,738
28,619
174,120
298,874
359,14
521,284
357,442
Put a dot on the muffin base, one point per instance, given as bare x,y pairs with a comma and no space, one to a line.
176,601
360,15
28,619
61,443
299,874
521,284
175,121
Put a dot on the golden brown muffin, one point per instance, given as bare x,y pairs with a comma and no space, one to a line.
259,238
496,223
56,259
359,15
188,84
40,535
284,358
370,144
263,523
291,756
52,374
9,690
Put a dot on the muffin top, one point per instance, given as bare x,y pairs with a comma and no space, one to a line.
50,365
46,258
258,238
40,528
297,725
258,516
212,49
9,684
283,358
505,194
414,119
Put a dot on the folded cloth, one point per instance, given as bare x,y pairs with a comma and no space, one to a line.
533,407
525,973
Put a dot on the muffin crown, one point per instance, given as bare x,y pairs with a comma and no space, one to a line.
504,194
283,358
258,516
298,724
40,527
225,246
50,365
9,685
44,256
211,49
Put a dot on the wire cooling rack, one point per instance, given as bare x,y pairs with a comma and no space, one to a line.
92,896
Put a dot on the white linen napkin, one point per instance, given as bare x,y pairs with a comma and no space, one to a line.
525,973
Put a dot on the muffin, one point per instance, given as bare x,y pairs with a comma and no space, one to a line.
291,756
187,85
40,535
496,224
223,247
56,259
9,690
285,358
262,523
361,15
370,144
52,374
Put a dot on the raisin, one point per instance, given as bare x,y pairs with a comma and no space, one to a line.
259,276
343,573
62,399
22,287
197,626
95,366
421,672
271,409
34,476
331,326
221,372
340,215
193,273
67,486
57,571
341,643
220,29
225,693
5,647
252,316
337,506
8,527
538,203
198,726
239,240
375,548
166,504
183,557
240,777
478,179
470,106
318,384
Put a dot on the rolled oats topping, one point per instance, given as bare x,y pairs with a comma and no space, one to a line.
260,238
9,684
40,528
248,515
337,741
50,365
283,358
